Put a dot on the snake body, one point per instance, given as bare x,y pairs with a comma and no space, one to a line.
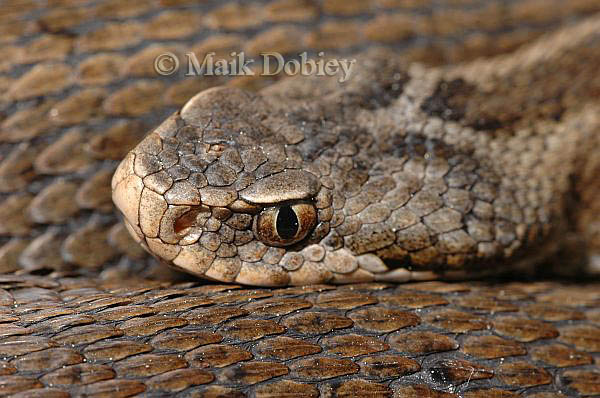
405,172
417,170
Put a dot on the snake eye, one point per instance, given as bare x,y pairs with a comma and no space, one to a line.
285,225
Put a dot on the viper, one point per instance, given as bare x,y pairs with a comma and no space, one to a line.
427,227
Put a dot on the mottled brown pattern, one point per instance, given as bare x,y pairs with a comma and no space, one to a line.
382,187
176,357
79,91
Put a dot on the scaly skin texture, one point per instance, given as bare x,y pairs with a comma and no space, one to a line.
394,175
84,312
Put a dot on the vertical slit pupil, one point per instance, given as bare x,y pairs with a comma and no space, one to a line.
287,223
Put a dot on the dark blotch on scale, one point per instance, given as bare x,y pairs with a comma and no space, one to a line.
449,100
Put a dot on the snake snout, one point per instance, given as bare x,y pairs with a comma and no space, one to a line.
209,192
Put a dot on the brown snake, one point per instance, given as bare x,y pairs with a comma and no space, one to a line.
454,167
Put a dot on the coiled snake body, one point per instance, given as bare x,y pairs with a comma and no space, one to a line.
404,173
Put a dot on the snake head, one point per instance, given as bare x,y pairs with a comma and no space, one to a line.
217,192
276,190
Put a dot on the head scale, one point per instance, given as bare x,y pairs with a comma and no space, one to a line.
216,192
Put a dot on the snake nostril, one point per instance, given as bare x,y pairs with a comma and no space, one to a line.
187,220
